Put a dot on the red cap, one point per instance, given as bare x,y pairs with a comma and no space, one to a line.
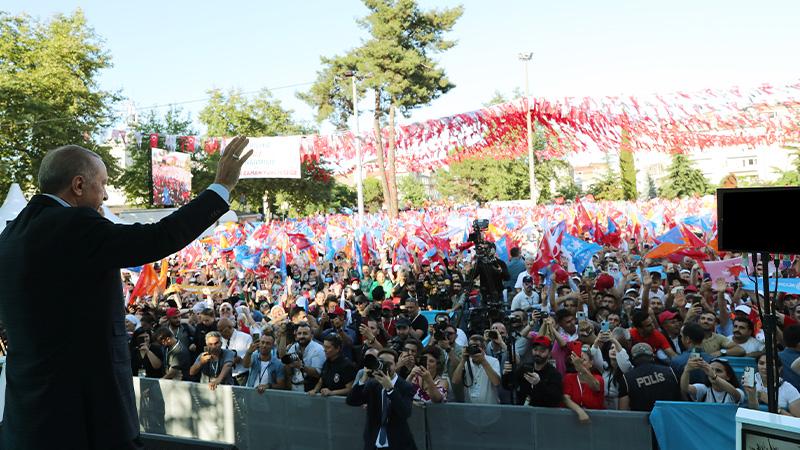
604,282
337,312
562,276
387,304
173,312
541,340
666,315
690,288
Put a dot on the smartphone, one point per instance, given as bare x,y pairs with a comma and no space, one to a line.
694,354
256,336
581,316
749,378
604,326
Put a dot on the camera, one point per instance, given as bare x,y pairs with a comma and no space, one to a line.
290,358
374,364
473,349
493,334
396,344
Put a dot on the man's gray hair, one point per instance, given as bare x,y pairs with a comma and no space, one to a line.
59,166
215,334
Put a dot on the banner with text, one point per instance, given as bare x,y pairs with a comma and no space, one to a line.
273,157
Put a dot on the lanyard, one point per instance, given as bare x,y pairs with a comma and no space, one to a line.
265,370
711,391
214,367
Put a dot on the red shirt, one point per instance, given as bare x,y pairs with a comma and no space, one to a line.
581,394
656,339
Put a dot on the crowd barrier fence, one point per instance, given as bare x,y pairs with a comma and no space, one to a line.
288,420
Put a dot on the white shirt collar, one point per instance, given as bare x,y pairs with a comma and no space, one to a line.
59,200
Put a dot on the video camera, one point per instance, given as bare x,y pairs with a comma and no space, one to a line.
374,364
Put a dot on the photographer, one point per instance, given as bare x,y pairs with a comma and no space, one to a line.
303,360
419,323
215,364
266,371
145,358
427,379
409,357
478,373
338,372
372,335
538,383
388,399
176,355
445,340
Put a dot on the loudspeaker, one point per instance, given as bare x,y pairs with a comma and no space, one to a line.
162,442
758,220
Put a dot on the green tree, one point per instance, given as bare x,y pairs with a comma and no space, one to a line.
627,168
233,114
652,190
412,191
398,67
373,194
48,93
135,180
683,179
608,187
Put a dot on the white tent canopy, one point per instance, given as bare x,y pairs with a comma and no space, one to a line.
14,203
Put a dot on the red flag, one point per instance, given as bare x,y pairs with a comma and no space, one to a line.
153,140
146,284
365,254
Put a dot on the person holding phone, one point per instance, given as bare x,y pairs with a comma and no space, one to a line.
536,380
722,385
788,395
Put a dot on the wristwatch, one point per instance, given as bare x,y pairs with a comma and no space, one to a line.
723,352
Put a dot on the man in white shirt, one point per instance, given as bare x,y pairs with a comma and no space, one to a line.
479,373
743,337
528,264
527,297
238,342
305,371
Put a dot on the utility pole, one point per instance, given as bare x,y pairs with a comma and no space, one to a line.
526,58
359,158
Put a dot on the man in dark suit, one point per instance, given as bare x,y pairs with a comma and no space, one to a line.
388,399
61,251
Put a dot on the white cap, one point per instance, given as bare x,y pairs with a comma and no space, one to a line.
743,308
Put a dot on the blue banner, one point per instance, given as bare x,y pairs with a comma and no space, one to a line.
694,426
787,285
581,251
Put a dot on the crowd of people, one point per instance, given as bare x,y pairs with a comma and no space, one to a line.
616,336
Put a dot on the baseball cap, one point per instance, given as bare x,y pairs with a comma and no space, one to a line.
604,282
641,349
690,288
425,262
173,312
527,279
543,341
387,304
743,308
337,312
666,315
403,322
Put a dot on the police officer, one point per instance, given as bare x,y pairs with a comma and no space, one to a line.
647,382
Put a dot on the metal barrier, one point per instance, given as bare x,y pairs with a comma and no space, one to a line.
287,420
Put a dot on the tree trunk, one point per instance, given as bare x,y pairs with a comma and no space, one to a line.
392,174
387,202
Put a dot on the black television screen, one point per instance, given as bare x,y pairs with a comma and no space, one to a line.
753,220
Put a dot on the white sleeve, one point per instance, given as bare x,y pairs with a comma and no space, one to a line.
790,393
700,392
518,284
515,302
624,361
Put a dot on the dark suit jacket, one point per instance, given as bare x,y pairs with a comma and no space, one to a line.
398,432
69,386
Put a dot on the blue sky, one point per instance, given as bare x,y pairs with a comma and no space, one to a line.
173,51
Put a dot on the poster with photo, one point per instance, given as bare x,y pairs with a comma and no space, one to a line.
172,178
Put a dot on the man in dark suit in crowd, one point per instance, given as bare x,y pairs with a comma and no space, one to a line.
388,399
61,251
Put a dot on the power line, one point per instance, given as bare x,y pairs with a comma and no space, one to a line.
157,106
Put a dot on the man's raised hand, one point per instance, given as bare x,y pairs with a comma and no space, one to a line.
230,164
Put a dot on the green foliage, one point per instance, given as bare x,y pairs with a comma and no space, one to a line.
627,169
233,114
135,179
395,63
683,179
48,93
412,190
652,190
373,194
608,187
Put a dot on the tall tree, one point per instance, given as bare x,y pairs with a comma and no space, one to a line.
373,194
396,64
652,190
413,191
232,113
683,179
135,179
627,169
608,187
48,93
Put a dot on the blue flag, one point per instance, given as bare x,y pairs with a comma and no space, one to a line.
245,258
501,246
283,266
359,256
580,251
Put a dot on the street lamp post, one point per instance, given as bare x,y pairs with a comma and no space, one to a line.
526,58
359,158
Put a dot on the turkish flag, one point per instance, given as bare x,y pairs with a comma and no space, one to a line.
154,140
